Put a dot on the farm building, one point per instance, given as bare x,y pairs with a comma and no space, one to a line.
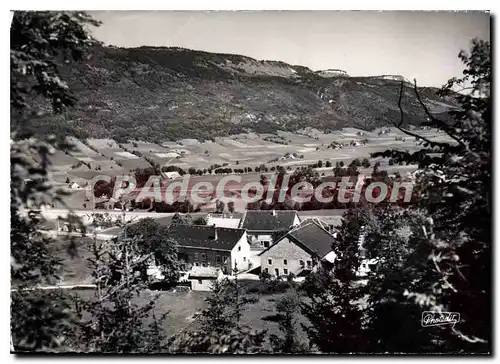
211,246
300,251
261,225
171,175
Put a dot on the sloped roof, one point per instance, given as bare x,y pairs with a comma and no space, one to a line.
314,238
319,221
201,236
266,220
310,237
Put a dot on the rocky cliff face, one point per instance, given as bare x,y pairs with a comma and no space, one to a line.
159,94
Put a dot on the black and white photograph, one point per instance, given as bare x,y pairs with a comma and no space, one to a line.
251,182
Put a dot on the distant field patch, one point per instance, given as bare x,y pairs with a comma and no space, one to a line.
166,155
103,143
86,159
306,150
235,143
257,153
300,161
127,155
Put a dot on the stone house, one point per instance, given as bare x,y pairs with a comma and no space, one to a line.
263,226
300,251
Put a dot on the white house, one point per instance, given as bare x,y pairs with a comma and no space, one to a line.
211,246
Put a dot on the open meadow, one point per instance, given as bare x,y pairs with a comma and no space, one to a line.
94,157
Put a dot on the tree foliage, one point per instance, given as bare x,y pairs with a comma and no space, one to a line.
287,316
334,298
154,238
218,328
119,318
39,40
455,192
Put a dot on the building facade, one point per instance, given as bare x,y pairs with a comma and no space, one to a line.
298,252
211,246
263,225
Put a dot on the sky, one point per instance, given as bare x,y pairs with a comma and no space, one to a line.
421,45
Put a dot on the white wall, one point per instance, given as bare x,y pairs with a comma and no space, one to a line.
258,239
285,249
240,254
255,258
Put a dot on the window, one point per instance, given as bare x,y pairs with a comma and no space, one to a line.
195,256
203,264
244,259
277,271
197,264
308,264
270,261
285,262
266,270
203,257
239,248
285,271
266,244
217,259
200,281
225,260
302,264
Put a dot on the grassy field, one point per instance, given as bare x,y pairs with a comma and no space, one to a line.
180,305
246,150
106,157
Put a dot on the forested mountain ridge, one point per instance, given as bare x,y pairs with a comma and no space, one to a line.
159,94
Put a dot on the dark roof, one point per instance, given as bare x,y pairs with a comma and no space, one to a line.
266,220
310,237
315,238
201,236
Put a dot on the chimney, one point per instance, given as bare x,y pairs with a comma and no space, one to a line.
215,232
273,212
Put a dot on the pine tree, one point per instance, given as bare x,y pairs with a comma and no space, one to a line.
333,303
396,245
118,319
218,328
287,316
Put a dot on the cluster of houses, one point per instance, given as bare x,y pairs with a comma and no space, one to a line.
277,242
